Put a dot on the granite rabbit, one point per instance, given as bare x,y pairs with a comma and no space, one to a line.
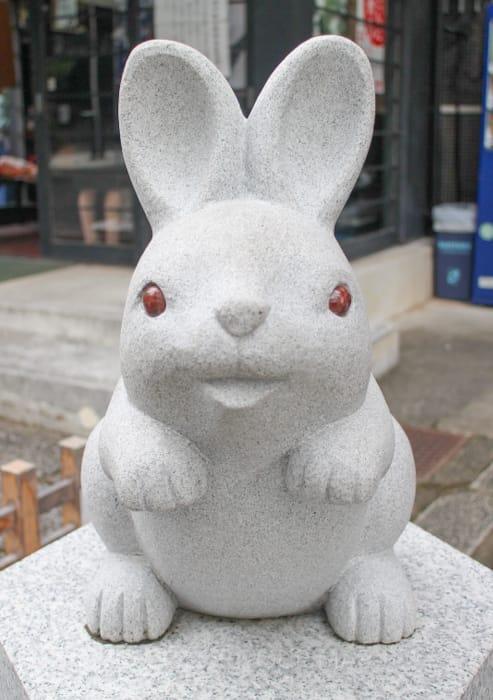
248,465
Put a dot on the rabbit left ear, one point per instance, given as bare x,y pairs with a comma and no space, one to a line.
181,130
310,129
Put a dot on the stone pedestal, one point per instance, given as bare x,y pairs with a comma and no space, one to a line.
46,653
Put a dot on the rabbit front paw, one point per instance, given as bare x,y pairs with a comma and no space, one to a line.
164,472
154,486
372,602
126,603
345,461
311,474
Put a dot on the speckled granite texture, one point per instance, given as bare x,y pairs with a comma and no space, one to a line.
247,461
448,657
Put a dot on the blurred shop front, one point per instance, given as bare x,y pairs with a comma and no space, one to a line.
87,207
17,156
88,210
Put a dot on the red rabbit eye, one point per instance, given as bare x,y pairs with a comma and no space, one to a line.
340,300
153,299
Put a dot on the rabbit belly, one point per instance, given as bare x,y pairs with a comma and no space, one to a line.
251,549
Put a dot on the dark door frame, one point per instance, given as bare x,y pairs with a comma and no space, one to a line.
73,250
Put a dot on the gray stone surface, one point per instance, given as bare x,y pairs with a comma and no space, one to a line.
484,551
385,348
10,685
468,464
444,379
247,460
425,494
201,658
475,417
62,383
484,481
445,364
462,519
78,302
59,334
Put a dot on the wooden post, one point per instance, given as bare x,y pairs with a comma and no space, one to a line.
20,487
71,451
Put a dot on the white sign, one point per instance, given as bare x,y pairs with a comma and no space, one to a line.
203,24
64,15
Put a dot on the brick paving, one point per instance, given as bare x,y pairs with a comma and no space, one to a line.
432,449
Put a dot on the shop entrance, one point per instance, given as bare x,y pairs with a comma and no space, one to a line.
88,210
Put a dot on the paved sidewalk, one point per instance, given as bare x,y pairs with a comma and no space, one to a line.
444,381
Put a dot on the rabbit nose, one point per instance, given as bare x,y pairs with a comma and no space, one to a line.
242,317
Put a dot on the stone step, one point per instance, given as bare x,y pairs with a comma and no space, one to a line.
396,279
385,347
77,302
61,384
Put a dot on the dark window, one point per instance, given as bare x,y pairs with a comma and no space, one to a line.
371,214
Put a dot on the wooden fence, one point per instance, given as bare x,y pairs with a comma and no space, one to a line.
23,502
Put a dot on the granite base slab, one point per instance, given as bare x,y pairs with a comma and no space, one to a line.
46,653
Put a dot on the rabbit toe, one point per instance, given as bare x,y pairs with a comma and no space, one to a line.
345,487
126,603
160,489
335,483
372,602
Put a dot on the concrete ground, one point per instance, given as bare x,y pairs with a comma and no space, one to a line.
59,334
444,381
59,338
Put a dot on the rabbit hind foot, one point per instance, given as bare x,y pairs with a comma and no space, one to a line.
126,603
373,601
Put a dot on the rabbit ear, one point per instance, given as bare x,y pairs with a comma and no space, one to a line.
181,130
310,129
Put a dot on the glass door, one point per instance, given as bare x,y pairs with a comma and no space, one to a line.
90,208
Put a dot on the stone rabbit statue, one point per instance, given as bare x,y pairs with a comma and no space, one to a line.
248,465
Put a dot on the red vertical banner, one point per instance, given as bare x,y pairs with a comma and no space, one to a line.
7,68
370,35
374,11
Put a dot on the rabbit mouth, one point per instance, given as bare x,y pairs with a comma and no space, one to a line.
240,392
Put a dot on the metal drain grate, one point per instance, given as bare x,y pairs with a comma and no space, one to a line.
432,448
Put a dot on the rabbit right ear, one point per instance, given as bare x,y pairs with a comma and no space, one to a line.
181,130
310,129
